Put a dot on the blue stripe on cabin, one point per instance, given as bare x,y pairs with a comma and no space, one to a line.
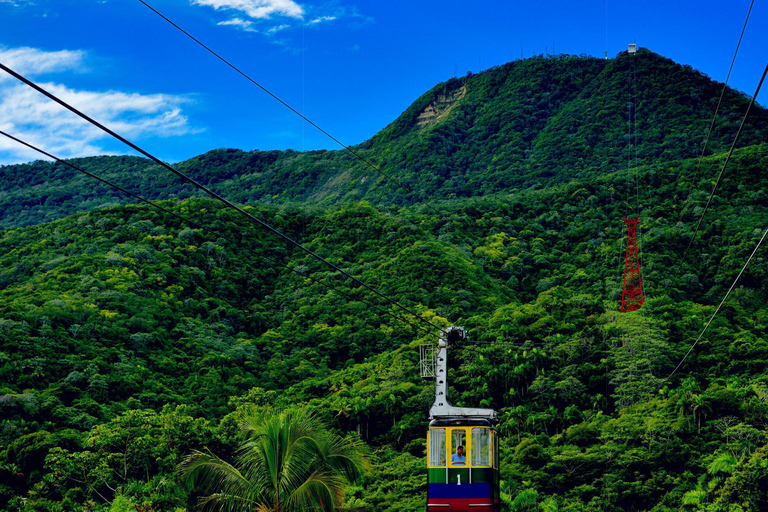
453,491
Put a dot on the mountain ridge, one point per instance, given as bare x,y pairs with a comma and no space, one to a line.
526,123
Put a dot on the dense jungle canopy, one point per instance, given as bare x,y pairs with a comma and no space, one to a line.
129,338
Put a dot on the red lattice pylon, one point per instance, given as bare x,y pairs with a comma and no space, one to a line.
632,295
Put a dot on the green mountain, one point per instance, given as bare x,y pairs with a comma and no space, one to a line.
129,337
528,123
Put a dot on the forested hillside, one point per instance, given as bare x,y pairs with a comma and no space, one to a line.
129,337
529,123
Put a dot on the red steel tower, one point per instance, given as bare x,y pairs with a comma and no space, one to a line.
632,295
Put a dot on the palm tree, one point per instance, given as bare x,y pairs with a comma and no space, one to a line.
289,461
700,405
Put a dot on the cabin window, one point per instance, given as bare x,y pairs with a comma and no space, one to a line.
482,444
437,447
459,447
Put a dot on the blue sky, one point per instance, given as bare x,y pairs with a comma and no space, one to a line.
351,67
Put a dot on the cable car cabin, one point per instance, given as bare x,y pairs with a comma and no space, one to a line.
462,447
462,466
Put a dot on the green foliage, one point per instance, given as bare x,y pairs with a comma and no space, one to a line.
129,340
287,462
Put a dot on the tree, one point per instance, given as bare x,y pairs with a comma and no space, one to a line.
289,461
700,407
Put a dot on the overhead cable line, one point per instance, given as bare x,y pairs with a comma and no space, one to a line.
512,343
210,192
289,107
714,116
725,164
544,343
637,180
720,305
206,229
634,132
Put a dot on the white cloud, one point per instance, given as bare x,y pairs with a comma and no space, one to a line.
276,29
32,61
259,9
321,19
240,23
32,117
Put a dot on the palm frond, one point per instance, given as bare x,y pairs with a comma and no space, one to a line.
212,474
232,503
322,490
289,461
